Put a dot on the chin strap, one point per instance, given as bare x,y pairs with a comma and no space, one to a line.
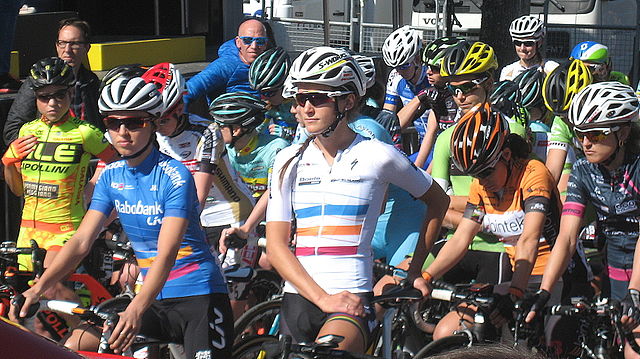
235,139
340,115
613,156
183,121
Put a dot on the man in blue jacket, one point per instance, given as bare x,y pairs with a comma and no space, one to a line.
230,72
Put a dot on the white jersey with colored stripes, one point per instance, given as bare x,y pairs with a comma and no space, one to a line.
337,207
200,148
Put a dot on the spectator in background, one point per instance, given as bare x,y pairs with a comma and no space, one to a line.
72,46
230,72
8,14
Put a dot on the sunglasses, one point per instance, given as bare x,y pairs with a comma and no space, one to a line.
485,173
595,135
248,40
318,98
58,96
130,123
434,68
405,66
525,43
466,87
268,94
595,68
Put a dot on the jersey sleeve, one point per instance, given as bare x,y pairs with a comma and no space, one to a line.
101,200
392,96
577,197
95,142
441,155
475,209
210,150
279,205
537,188
400,171
179,191
561,136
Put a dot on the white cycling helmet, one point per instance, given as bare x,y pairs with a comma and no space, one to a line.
131,94
328,66
527,27
369,68
401,46
288,90
168,81
604,104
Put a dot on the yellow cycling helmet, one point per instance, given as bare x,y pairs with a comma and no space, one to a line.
464,60
563,83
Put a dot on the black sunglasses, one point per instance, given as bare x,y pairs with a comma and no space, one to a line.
525,43
131,123
318,98
485,173
58,96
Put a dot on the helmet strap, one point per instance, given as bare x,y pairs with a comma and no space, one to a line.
235,139
182,124
137,154
339,116
613,156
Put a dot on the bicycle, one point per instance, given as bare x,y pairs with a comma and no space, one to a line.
12,280
324,348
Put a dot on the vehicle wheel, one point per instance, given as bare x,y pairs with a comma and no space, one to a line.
443,345
258,320
251,347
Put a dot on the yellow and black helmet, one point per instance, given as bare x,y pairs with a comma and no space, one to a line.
563,83
462,59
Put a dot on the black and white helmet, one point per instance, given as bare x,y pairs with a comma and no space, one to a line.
604,104
401,46
331,67
527,27
369,68
131,94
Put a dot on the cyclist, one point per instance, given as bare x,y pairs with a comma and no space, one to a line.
72,46
251,153
334,184
512,197
224,199
401,51
47,163
156,201
527,33
605,120
596,57
267,75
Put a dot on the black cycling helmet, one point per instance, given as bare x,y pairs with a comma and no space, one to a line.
506,98
51,71
435,51
238,108
530,84
269,70
126,71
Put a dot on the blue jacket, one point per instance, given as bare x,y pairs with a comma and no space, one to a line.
226,74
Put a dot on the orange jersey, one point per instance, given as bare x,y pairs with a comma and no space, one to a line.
529,188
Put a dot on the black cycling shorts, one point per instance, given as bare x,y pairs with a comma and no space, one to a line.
478,266
205,333
303,320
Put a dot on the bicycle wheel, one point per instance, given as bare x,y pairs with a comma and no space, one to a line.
251,347
259,320
443,345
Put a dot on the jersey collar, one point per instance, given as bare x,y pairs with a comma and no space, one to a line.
253,143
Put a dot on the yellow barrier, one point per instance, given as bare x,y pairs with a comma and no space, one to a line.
107,55
14,67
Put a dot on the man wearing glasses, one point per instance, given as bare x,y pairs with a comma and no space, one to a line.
72,46
230,71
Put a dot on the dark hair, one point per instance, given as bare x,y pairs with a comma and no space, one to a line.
81,25
302,148
519,147
491,351
633,140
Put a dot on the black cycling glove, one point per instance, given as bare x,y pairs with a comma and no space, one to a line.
631,305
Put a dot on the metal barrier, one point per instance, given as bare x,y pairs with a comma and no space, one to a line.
561,38
299,35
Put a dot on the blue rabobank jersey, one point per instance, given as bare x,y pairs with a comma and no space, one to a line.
226,74
160,187
400,91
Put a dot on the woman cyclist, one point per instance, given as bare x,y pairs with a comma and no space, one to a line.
333,185
183,298
605,120
596,57
512,197
527,33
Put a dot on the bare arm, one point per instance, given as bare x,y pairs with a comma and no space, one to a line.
555,163
13,177
407,113
454,213
527,248
454,250
204,181
257,215
563,249
429,139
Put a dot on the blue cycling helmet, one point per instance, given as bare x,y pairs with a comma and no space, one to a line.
590,51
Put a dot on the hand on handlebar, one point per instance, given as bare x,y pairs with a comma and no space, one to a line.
538,301
233,231
423,286
631,310
126,330
24,305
